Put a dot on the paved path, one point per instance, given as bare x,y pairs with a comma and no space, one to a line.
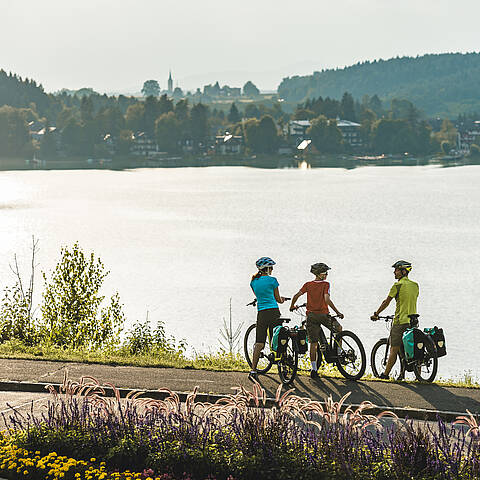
384,394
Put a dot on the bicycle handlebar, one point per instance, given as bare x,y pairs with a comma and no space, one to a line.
254,302
387,318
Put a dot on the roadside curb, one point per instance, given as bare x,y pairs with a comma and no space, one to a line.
401,412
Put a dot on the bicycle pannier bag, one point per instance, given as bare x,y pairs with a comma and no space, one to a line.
280,339
302,341
438,339
414,344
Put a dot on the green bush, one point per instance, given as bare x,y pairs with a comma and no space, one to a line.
71,313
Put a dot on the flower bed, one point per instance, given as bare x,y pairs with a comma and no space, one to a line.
84,434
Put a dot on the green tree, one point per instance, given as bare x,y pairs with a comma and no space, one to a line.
234,115
111,120
73,137
86,109
71,310
252,111
448,133
182,110
347,106
165,105
14,136
48,144
250,90
124,142
325,135
152,111
151,88
135,117
304,114
168,132
261,136
393,136
199,124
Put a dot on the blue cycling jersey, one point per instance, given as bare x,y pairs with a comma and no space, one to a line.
264,287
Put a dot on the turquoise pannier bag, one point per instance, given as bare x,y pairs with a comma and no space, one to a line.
414,344
279,339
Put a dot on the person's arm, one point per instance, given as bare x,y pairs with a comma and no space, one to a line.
294,299
329,302
382,307
277,296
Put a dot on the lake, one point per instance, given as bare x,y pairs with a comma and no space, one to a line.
181,242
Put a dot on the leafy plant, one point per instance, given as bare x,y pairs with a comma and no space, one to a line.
71,303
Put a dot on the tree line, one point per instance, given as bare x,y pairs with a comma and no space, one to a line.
440,85
84,121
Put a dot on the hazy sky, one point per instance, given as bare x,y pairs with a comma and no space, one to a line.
116,45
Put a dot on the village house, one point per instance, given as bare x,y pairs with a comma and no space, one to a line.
466,137
297,130
143,145
228,144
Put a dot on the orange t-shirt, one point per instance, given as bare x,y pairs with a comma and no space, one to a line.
316,290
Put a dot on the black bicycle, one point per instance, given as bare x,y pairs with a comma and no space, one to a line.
286,361
343,349
425,369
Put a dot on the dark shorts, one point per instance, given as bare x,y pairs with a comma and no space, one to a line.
396,334
266,319
315,322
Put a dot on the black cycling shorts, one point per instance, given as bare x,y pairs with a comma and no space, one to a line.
266,319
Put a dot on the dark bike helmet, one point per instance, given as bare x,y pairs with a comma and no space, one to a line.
264,262
318,268
402,265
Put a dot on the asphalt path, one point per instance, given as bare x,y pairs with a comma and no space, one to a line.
412,399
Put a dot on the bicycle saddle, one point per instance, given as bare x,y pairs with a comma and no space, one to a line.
414,319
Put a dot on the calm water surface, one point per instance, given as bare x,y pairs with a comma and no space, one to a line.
180,242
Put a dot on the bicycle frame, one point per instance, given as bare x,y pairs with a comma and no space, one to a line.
331,352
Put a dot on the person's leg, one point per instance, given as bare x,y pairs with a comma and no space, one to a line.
392,357
395,341
313,354
265,320
257,350
313,334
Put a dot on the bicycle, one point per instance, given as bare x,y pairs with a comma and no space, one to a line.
287,362
344,349
425,369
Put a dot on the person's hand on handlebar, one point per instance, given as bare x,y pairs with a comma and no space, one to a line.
341,316
293,307
374,317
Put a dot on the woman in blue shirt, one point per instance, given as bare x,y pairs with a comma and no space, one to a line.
265,288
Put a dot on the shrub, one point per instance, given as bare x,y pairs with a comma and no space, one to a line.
71,303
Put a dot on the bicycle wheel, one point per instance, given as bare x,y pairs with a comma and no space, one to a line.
352,362
426,369
379,358
288,363
264,362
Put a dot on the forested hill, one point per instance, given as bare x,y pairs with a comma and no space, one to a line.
19,93
444,84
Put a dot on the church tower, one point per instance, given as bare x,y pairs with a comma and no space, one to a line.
170,83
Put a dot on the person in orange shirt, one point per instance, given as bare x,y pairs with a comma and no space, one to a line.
318,314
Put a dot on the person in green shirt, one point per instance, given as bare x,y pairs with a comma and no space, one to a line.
405,293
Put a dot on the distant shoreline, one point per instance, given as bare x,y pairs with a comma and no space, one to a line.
256,161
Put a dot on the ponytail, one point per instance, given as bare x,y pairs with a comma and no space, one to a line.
260,272
257,275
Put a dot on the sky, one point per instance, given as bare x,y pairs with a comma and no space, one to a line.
114,46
